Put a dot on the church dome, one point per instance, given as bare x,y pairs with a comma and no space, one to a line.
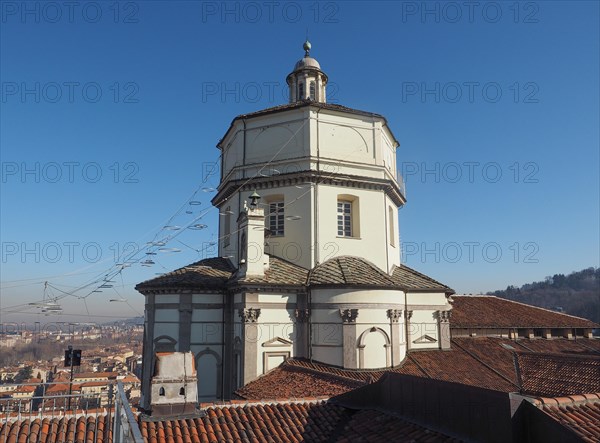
307,62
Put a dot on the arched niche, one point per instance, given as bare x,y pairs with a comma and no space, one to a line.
209,370
374,349
164,343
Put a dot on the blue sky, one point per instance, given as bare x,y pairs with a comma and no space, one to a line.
110,113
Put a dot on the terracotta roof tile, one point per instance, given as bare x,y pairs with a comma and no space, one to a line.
583,418
288,422
58,430
485,362
486,311
459,366
294,381
25,389
552,375
106,375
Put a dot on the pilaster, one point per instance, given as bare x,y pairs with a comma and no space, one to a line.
395,315
444,328
185,322
407,316
249,318
302,317
349,337
148,350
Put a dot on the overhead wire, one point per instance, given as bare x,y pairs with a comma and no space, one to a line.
159,241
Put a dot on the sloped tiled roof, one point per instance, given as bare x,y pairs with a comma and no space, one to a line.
289,422
459,366
210,273
485,362
562,345
349,270
579,413
218,273
60,387
280,272
486,311
300,378
25,389
552,375
89,429
410,280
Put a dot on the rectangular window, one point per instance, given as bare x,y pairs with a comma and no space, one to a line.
344,218
276,218
227,238
391,225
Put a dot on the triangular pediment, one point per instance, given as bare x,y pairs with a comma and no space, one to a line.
277,342
424,339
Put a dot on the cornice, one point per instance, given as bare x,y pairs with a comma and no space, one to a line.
309,176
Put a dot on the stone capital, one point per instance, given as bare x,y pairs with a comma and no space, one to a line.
349,315
394,315
444,316
302,315
249,315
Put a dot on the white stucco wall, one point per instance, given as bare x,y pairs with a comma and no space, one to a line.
327,326
275,321
333,143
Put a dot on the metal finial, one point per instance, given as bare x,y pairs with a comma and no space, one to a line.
307,47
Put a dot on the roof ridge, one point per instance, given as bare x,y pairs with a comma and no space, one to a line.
420,274
329,374
559,354
336,260
566,400
495,371
276,401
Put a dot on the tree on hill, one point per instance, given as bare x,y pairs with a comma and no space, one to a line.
577,293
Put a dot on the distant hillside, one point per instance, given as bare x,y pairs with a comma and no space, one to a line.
577,293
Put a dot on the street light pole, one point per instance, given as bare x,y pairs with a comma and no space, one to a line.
71,379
